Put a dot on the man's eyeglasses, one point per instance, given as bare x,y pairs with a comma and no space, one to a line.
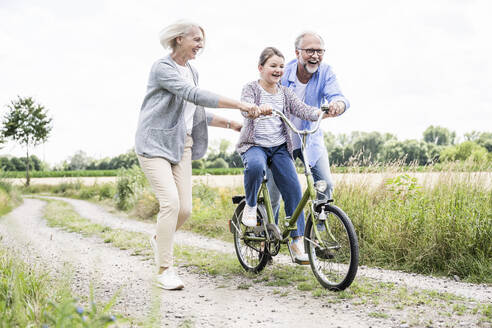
311,52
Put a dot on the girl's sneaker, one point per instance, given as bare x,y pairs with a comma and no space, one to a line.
297,248
249,216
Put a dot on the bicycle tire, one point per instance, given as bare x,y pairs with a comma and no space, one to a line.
335,266
252,255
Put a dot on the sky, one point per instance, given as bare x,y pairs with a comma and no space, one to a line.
403,65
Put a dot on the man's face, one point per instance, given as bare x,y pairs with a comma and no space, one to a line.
310,61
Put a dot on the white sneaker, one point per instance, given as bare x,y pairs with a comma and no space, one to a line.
169,280
153,244
249,216
297,247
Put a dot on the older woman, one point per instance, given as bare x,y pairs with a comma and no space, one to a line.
172,131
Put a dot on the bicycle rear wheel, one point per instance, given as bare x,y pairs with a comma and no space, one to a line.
335,263
252,254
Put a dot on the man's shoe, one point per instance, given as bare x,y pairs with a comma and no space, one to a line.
153,244
169,280
297,248
249,216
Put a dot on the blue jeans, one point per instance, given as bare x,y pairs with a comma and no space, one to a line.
321,171
283,172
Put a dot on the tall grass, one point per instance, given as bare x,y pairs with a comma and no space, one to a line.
445,229
28,298
9,197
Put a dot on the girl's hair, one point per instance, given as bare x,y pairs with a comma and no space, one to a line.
267,53
169,34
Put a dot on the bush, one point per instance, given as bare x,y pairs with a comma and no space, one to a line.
146,206
106,191
463,152
198,164
218,163
88,192
130,182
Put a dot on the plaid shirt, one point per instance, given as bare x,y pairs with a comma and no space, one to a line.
292,105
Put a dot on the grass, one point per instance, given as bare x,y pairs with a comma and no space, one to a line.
61,214
9,197
61,174
29,297
441,230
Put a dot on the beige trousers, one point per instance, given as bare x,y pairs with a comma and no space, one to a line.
171,184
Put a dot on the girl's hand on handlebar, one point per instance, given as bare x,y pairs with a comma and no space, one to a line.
266,109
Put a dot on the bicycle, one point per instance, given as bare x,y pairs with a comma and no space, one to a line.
329,239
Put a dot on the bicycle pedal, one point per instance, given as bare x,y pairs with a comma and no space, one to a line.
297,261
324,254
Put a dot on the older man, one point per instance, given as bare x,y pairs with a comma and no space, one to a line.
315,83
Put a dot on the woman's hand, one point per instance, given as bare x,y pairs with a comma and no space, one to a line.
252,110
236,126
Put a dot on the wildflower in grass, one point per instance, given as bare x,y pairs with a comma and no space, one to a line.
79,310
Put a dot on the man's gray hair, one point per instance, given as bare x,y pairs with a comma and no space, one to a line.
169,34
298,41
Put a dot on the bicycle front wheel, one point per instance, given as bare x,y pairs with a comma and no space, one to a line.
334,256
249,242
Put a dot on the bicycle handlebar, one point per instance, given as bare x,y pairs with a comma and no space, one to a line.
292,126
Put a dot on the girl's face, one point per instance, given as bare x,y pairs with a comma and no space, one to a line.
191,43
272,70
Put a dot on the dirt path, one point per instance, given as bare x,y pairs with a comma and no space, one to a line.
206,301
99,215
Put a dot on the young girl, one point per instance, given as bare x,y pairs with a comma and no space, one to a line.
268,142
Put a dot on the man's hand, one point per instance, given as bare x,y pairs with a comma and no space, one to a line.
335,108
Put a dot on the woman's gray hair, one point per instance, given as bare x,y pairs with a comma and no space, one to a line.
169,34
298,41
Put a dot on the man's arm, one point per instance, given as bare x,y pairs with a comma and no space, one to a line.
332,95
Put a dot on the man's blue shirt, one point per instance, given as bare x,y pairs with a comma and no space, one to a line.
321,86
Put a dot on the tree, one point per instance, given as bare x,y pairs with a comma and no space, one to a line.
369,145
26,123
79,161
439,136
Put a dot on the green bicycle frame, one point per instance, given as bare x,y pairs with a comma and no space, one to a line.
307,200
308,197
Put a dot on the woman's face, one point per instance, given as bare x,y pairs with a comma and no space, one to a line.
273,69
191,43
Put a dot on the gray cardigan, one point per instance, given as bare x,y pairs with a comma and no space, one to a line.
292,106
161,129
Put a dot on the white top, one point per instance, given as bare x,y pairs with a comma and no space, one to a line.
269,131
300,91
190,108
